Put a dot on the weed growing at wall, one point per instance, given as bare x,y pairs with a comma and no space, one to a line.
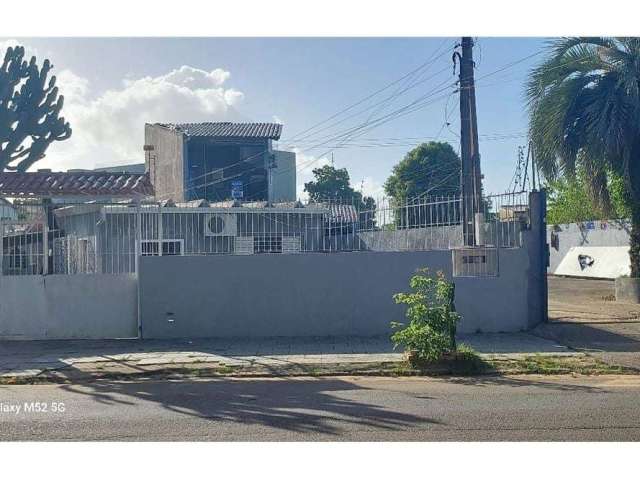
430,330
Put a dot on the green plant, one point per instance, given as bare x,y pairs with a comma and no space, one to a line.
584,113
30,110
570,201
430,168
431,328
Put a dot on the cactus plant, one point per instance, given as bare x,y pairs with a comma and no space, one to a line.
30,109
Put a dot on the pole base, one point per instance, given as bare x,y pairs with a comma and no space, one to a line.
628,290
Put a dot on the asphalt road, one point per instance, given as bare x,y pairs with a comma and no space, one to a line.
483,408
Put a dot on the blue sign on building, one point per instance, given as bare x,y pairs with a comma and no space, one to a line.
236,190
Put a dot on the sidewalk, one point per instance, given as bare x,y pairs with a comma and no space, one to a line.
583,316
79,359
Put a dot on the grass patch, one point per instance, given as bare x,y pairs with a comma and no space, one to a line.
463,362
558,365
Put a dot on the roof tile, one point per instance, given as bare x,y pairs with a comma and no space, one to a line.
45,184
228,129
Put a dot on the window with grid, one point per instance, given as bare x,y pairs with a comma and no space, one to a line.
267,244
169,247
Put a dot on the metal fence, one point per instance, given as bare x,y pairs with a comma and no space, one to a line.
40,237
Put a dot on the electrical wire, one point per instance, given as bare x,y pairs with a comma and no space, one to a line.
368,125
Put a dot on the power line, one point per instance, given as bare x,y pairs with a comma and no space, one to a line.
428,62
359,102
344,137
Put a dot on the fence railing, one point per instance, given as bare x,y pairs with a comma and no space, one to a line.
40,237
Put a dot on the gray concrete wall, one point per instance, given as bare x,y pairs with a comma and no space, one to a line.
165,163
283,177
429,238
39,307
613,233
317,294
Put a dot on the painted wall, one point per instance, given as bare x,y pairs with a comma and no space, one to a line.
165,163
283,177
39,307
612,233
595,262
317,294
429,238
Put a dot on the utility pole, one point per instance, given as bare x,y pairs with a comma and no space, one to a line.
471,181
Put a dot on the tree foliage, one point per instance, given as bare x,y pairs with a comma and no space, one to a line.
432,319
333,185
584,112
29,111
431,168
569,200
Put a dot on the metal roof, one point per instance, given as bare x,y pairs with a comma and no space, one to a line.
228,129
342,214
55,184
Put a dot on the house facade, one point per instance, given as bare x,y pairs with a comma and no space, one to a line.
108,238
217,161
31,241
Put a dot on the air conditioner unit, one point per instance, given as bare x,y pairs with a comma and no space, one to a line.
220,225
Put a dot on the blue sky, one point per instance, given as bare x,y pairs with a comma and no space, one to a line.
114,85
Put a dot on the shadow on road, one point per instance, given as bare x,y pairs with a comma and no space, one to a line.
614,337
496,380
300,405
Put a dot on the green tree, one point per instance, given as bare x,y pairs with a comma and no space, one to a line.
569,200
584,111
431,168
333,185
29,111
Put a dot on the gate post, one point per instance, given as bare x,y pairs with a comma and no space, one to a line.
1,247
538,258
138,254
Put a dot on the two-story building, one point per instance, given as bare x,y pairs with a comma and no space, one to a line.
217,161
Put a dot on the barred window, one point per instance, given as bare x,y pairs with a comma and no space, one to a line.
169,247
267,244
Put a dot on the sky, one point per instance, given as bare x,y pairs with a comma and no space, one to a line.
112,86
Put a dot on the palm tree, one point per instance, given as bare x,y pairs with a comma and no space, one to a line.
584,110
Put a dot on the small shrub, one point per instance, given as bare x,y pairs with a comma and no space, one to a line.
466,351
431,329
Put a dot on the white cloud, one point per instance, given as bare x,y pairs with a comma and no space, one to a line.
371,188
12,42
74,88
195,78
108,129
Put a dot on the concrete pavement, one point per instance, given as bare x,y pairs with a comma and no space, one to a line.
485,408
584,316
587,301
38,358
